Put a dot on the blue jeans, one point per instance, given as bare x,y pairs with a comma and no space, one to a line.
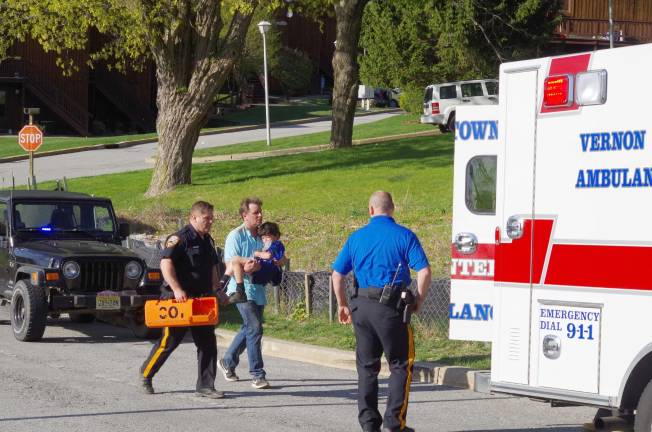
250,338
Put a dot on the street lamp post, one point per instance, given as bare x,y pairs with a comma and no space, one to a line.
264,26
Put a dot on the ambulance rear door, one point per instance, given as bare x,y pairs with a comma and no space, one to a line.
474,223
517,258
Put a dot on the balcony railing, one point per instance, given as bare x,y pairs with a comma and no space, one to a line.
584,28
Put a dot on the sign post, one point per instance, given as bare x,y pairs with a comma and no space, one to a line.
30,139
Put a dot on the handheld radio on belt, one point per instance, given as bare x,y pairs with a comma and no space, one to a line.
388,289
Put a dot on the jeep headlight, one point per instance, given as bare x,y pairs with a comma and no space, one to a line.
133,270
71,270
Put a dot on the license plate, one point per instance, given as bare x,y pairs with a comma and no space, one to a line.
107,302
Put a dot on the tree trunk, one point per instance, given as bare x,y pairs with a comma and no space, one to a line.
177,137
348,15
193,61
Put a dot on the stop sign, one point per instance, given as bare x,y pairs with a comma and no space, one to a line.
30,138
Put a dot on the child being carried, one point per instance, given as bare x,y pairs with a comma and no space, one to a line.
269,272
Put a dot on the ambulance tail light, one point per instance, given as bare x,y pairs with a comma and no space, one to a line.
591,87
434,106
558,91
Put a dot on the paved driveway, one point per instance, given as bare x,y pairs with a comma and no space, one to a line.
82,377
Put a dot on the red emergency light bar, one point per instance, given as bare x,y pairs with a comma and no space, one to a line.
435,107
558,91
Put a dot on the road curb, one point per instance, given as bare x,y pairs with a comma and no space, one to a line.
126,144
424,372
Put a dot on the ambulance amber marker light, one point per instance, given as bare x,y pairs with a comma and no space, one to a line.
557,91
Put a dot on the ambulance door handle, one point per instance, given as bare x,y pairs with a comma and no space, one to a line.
466,243
514,227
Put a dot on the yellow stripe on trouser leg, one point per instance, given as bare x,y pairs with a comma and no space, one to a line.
402,414
157,354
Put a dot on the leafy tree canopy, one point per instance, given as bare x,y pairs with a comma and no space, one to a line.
409,43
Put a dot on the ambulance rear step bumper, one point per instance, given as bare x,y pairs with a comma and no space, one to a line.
554,395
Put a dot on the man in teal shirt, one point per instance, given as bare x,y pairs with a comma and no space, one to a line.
243,242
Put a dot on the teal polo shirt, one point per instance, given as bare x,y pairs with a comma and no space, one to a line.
374,252
240,242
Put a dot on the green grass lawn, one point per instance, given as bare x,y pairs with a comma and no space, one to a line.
254,115
281,112
404,123
318,199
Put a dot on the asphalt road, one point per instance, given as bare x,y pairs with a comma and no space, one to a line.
83,377
96,162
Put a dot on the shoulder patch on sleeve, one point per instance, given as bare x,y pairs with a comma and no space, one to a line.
172,241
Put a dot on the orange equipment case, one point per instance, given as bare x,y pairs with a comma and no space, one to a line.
199,311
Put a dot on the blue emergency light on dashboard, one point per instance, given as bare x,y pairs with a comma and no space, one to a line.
46,229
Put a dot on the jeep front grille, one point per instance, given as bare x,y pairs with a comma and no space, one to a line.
96,275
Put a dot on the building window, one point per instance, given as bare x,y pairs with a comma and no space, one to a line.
566,7
3,103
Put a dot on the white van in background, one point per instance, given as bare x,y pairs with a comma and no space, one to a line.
441,100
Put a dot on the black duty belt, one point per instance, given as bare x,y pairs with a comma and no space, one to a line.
374,293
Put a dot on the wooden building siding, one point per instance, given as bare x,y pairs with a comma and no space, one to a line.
589,19
304,34
42,67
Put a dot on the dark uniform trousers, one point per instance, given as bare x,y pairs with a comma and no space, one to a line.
380,328
204,338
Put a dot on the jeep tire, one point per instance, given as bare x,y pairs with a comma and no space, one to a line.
81,318
451,122
140,330
28,312
643,418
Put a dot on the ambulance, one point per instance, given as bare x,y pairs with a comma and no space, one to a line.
552,231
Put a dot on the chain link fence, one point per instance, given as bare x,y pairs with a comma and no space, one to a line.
302,294
306,294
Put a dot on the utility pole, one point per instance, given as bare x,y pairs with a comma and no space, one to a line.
611,24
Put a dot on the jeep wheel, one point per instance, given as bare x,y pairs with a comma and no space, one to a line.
451,122
28,312
81,318
643,418
443,128
140,330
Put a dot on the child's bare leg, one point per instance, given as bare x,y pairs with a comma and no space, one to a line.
236,267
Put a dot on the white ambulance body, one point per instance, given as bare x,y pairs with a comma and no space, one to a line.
571,233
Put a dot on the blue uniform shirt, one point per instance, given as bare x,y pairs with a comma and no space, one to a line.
375,250
240,242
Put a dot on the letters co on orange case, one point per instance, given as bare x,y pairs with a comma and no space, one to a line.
200,311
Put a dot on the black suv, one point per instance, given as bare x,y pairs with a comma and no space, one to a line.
61,252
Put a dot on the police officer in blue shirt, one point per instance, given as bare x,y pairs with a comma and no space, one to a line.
381,254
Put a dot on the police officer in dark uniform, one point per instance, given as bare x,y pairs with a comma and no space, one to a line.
188,264
381,254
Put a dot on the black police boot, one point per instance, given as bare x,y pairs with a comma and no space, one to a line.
370,428
209,393
405,429
146,385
